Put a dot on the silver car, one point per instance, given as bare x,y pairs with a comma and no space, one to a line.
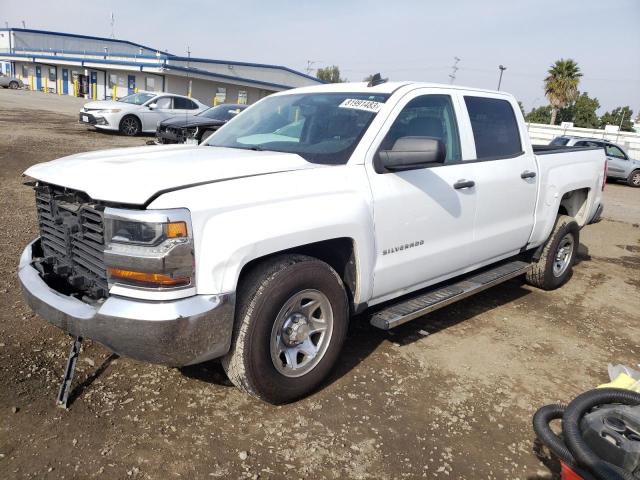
619,165
7,81
139,112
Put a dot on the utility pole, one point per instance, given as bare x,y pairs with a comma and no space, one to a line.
502,69
188,72
113,21
454,69
310,64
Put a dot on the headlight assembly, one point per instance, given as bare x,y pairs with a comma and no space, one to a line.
149,249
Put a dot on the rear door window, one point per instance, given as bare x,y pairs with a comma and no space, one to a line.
495,128
180,103
559,141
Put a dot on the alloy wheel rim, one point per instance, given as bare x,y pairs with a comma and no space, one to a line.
301,333
636,179
564,254
130,126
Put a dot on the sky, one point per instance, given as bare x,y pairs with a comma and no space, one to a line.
401,39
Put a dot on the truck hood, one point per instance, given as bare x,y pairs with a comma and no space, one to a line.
135,175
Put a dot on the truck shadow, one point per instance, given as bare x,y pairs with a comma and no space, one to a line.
582,254
84,385
363,339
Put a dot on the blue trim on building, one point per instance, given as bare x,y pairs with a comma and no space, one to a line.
163,55
75,35
244,64
83,60
166,67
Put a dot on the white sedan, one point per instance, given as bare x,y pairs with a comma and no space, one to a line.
139,112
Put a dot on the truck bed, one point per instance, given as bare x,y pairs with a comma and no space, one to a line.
547,149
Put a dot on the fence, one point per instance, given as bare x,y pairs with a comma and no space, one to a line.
542,134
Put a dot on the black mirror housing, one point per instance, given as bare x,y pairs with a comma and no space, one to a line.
410,153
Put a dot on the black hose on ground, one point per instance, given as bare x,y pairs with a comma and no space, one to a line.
541,421
583,455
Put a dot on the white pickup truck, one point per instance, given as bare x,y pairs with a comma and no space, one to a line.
258,245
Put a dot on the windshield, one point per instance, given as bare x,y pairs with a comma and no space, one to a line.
320,127
137,98
222,112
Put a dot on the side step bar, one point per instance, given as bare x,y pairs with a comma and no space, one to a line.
421,304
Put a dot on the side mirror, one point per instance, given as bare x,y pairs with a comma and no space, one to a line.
410,153
152,106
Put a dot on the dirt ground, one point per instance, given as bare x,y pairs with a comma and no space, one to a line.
450,395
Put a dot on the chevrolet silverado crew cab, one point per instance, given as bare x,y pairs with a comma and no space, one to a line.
315,204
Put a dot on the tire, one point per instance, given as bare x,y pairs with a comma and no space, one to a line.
267,308
13,85
633,180
130,126
554,268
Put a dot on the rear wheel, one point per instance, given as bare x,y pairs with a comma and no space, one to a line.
291,322
13,85
634,179
555,265
130,126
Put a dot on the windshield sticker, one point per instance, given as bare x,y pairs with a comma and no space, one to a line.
366,105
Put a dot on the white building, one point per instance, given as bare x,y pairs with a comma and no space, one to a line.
101,68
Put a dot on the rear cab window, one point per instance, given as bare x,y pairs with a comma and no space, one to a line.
495,128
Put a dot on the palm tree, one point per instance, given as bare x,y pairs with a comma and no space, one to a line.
561,85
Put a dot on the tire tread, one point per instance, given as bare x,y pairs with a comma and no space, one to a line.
254,284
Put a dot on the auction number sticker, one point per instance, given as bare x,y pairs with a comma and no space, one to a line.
359,104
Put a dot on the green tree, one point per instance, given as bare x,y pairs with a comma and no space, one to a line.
330,74
561,85
521,107
539,115
617,116
582,112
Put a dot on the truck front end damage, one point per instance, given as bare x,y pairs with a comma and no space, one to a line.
124,278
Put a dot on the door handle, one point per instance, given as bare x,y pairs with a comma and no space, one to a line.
527,174
463,184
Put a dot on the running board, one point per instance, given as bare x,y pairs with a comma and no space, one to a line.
421,304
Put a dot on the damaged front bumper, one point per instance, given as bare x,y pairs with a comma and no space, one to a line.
175,333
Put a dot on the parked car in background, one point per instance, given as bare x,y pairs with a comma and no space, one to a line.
7,81
139,112
619,165
194,128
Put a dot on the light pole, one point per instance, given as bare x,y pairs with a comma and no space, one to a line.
502,69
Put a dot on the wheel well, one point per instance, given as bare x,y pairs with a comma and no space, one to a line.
574,204
339,253
130,115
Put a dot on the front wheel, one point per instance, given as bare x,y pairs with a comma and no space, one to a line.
13,85
130,126
291,321
634,179
555,264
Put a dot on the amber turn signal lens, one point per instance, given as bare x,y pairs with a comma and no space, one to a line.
147,279
176,230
